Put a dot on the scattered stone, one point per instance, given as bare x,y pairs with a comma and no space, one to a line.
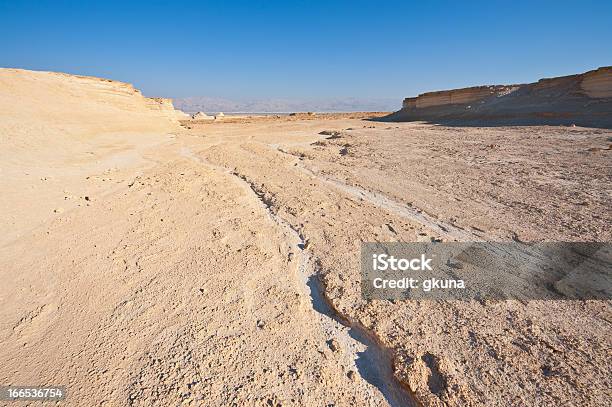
422,237
334,345
294,371
306,244
516,237
454,264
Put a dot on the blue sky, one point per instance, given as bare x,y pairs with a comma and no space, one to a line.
306,49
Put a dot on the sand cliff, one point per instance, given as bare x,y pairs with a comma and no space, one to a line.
598,84
450,97
582,99
72,105
52,120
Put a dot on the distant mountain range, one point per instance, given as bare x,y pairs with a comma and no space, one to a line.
212,105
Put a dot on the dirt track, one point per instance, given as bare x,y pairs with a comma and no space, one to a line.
219,265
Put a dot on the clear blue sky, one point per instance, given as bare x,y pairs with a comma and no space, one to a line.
304,49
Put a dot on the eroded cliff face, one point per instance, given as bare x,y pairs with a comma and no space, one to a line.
582,99
166,106
53,103
451,97
598,84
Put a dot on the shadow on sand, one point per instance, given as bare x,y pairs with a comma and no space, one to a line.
375,363
535,119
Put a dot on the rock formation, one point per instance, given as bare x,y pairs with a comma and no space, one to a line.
598,84
165,105
582,99
450,97
71,105
202,116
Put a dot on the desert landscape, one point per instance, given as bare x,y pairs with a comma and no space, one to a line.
149,258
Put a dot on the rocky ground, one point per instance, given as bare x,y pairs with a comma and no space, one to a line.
218,264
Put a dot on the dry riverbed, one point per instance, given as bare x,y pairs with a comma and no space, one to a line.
219,264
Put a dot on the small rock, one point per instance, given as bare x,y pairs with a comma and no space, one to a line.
352,375
454,264
516,237
334,345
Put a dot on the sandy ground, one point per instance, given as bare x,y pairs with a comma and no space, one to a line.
218,264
